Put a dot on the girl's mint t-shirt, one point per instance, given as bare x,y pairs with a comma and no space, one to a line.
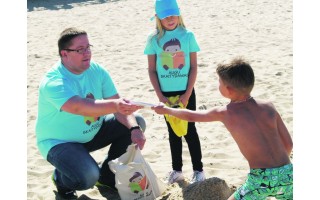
54,126
173,57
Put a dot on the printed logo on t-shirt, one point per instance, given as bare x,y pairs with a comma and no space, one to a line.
172,57
87,119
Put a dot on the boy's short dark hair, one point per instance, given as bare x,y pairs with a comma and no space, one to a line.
238,74
66,37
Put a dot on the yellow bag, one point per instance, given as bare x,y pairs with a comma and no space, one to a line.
179,126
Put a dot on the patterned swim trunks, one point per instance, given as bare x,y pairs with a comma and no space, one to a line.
271,182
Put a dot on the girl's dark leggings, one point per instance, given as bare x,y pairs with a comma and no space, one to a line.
191,138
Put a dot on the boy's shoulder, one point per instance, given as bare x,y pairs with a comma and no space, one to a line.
258,104
264,103
263,106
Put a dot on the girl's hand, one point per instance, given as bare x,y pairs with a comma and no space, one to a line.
164,100
184,99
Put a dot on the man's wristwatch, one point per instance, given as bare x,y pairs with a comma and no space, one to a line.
134,127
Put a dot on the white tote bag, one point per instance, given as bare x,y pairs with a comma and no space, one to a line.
134,177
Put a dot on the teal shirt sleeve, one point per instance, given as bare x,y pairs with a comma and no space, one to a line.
150,49
194,47
57,92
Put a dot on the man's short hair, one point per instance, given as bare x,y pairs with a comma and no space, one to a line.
66,37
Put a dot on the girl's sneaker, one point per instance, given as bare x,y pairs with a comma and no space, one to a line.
197,176
174,176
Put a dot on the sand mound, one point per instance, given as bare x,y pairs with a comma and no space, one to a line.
212,188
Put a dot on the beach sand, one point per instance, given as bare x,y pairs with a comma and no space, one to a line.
260,31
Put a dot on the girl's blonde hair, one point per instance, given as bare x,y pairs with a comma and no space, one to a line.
160,31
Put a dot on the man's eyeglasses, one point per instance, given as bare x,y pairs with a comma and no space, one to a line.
81,51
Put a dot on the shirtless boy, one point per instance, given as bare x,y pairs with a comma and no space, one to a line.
257,128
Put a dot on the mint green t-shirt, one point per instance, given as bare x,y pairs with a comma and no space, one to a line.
173,57
54,126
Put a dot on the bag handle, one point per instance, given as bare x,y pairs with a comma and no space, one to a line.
133,149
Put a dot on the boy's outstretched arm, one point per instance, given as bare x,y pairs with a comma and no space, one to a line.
190,115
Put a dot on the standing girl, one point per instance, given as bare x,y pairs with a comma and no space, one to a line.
172,62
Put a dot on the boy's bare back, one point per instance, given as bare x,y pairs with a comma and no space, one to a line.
259,131
255,125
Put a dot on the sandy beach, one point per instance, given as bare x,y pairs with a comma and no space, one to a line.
260,31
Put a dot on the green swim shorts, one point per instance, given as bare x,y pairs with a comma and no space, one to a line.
271,182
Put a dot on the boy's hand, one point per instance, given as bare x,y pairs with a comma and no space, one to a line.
161,108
